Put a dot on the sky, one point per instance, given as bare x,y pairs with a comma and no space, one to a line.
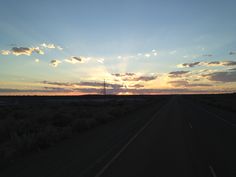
69,47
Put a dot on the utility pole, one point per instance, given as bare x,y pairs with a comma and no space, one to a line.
104,87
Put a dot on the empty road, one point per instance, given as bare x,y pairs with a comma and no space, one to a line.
181,138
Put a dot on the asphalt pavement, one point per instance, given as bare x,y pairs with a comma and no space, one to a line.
181,138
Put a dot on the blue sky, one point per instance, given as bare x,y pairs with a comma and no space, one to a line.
145,37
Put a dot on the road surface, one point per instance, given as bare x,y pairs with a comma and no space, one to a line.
182,138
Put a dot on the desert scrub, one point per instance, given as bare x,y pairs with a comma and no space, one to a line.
25,128
79,125
104,118
61,120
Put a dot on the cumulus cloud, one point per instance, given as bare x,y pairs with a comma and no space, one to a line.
22,51
54,63
177,73
74,60
222,76
38,50
100,60
85,59
140,55
51,46
26,51
5,52
147,55
29,50
184,83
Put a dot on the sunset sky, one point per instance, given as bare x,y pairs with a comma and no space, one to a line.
52,47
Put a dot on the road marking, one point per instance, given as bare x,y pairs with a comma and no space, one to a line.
215,115
212,171
220,118
128,143
190,125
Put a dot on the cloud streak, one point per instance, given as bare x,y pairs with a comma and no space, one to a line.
207,55
73,60
212,63
144,78
177,73
82,84
184,83
188,65
232,53
123,74
137,86
134,77
222,76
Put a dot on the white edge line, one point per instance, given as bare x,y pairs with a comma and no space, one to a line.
212,171
127,144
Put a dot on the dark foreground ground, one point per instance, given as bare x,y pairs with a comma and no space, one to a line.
148,136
